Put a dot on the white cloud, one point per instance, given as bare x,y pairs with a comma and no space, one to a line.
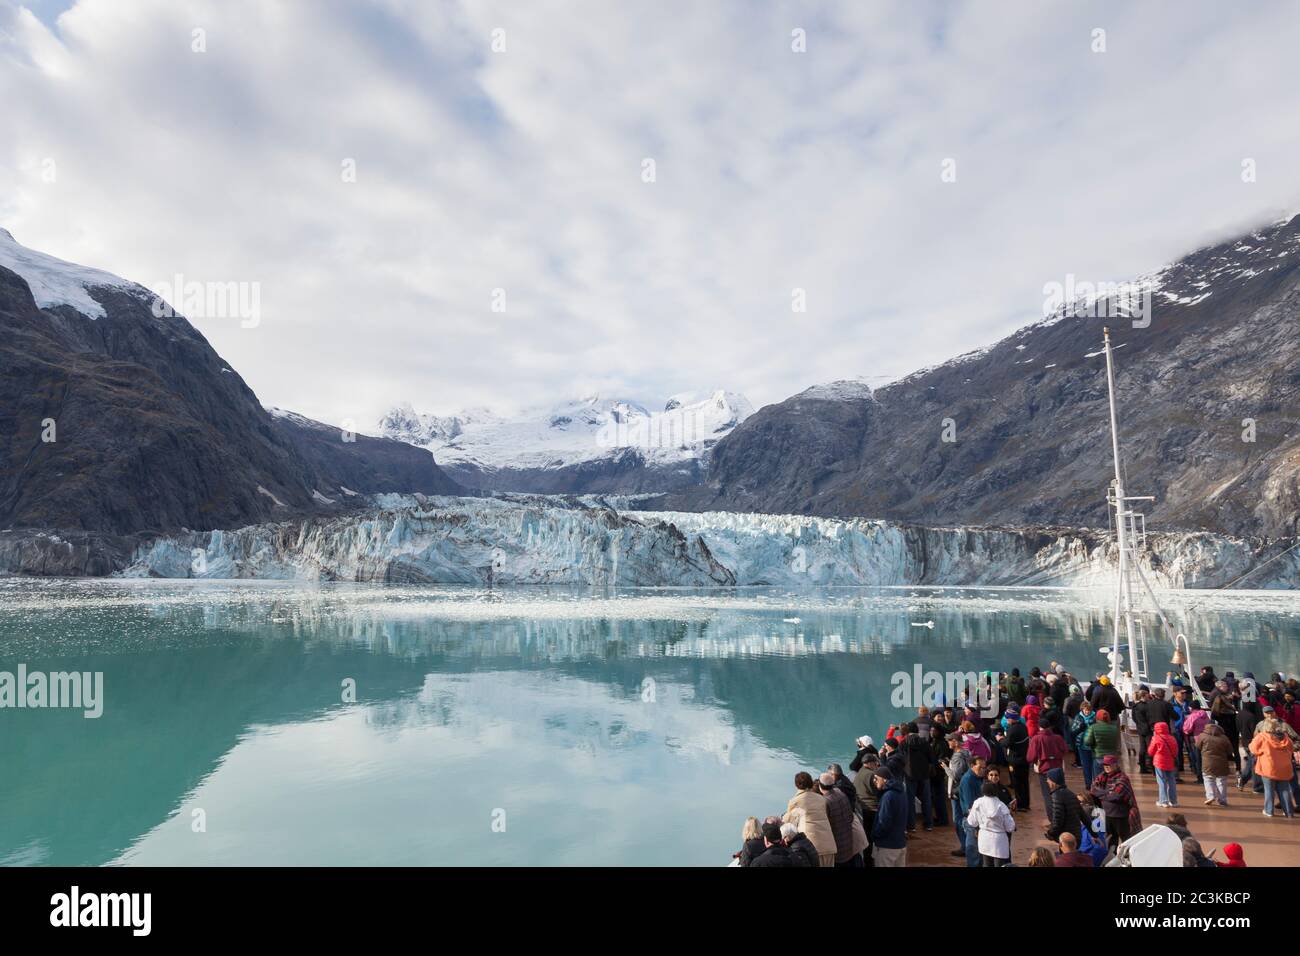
522,170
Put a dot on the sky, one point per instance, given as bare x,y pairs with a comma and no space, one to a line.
920,170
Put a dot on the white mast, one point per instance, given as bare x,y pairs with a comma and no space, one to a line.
1130,536
1124,586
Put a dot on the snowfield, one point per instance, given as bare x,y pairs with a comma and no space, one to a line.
583,430
55,282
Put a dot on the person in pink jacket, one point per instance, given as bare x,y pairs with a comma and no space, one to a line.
1163,750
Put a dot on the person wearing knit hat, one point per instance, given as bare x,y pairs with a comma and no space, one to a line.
1064,815
1114,792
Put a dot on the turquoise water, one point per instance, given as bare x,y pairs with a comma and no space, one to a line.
527,726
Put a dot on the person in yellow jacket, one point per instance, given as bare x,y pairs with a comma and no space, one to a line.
1274,764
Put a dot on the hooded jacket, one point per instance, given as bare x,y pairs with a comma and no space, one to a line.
807,811
1163,747
994,821
1029,714
889,831
1195,722
1270,724
1216,750
1234,854
1079,730
1272,756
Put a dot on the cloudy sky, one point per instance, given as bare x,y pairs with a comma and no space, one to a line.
523,169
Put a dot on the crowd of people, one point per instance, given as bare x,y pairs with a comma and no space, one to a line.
970,767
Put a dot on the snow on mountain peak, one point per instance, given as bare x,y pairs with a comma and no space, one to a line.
55,282
583,429
844,390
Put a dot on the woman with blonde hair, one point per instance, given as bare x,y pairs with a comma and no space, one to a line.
751,842
1041,856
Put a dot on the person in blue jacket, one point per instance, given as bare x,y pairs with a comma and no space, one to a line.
889,831
969,791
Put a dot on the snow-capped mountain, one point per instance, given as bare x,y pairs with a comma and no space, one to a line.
118,417
1015,434
590,444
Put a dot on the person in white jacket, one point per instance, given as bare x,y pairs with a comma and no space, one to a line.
995,823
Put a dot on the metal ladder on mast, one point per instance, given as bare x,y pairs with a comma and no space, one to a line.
1130,535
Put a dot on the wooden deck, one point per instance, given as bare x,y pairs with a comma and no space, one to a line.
1266,842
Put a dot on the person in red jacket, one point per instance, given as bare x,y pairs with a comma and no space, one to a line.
1163,751
1290,711
1047,752
1234,853
1029,714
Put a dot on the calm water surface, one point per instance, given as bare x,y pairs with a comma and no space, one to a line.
613,727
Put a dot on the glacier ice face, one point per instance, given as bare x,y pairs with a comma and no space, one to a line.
513,540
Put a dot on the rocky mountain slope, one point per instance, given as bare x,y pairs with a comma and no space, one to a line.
1219,364
588,445
115,420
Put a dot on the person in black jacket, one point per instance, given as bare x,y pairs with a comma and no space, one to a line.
1015,743
1143,725
1206,680
752,847
1107,698
918,768
845,786
777,853
865,749
939,754
892,758
1247,720
1065,812
801,848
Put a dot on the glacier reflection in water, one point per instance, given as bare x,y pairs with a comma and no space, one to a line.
591,727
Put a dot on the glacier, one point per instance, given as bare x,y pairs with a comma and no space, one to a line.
520,540
573,432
